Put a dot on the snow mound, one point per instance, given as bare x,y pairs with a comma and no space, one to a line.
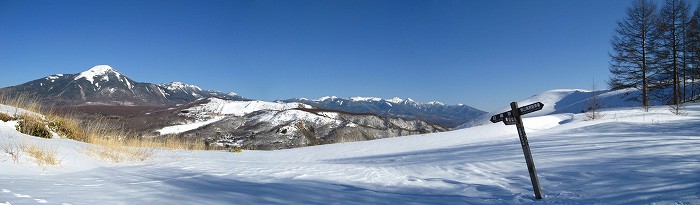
14,111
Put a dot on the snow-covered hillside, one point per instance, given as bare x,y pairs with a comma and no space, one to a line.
568,101
215,109
627,157
240,108
277,125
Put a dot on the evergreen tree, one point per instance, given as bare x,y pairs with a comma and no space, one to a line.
633,45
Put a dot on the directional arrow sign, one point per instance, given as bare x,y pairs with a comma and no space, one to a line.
509,114
513,117
530,108
500,117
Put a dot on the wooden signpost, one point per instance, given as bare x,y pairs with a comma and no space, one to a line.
512,117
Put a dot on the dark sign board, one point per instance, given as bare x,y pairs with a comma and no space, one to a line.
530,108
509,114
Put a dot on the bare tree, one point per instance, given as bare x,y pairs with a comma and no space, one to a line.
673,22
693,45
633,47
593,108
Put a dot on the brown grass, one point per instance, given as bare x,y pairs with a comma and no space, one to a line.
110,142
114,144
116,149
43,156
5,117
23,101
33,125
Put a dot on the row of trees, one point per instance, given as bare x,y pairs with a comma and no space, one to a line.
656,50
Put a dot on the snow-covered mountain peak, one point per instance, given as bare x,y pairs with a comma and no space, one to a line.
395,100
327,98
102,71
104,84
180,86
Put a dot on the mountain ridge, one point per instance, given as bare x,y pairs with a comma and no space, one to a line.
103,84
434,112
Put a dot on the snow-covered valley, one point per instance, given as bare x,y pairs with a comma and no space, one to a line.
626,157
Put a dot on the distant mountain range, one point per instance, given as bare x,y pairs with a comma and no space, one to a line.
434,112
103,85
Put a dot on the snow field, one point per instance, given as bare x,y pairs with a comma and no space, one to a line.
626,157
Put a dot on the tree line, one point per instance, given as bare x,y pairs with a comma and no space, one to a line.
658,51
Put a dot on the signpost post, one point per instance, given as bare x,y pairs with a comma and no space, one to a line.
513,117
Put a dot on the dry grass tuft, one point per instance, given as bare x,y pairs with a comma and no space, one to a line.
5,117
23,101
67,126
171,142
117,146
43,156
113,150
33,125
12,150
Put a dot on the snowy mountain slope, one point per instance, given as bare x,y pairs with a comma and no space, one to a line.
567,101
215,109
104,85
277,125
240,108
434,112
627,157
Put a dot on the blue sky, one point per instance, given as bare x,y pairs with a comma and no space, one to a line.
480,53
